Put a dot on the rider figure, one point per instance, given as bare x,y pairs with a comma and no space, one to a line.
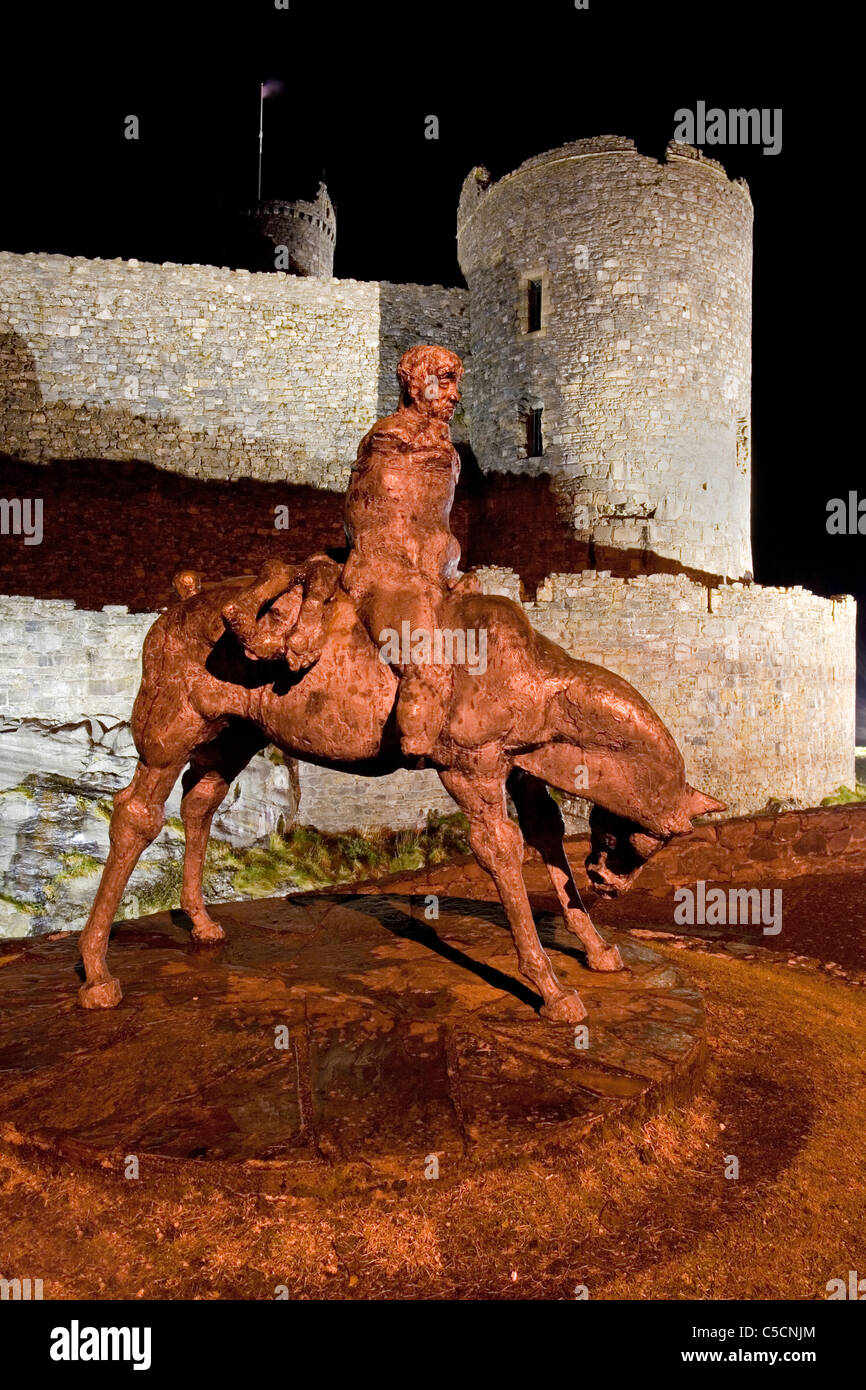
403,553
403,557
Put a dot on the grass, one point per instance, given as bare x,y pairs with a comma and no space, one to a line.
295,860
643,1213
843,795
161,895
77,865
21,790
303,858
19,903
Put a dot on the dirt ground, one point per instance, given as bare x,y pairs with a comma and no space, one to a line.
645,1213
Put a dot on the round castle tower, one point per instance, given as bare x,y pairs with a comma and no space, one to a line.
308,231
610,311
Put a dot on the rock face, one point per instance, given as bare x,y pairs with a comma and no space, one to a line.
56,785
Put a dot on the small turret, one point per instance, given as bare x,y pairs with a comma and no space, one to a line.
297,238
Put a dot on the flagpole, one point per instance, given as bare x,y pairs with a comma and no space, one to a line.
261,133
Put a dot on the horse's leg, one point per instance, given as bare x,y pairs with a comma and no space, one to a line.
213,767
498,846
137,818
543,828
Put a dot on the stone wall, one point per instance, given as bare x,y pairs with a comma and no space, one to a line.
62,666
61,663
747,849
211,372
756,684
334,801
68,678
642,364
67,684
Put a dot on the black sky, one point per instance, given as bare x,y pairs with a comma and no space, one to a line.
506,81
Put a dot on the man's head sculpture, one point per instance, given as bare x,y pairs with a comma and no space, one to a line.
429,380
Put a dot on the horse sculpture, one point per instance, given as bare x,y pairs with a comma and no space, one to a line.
291,662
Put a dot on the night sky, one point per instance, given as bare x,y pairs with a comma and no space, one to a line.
507,82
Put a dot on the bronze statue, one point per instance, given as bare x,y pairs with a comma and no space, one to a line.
396,659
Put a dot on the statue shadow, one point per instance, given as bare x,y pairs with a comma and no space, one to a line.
402,922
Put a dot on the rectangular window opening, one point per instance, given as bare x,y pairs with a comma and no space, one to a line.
534,306
534,448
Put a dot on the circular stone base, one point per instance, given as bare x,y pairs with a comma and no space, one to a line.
333,1038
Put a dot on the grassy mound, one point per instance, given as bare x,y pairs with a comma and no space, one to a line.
843,795
303,858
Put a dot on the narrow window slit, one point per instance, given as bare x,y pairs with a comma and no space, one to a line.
534,306
534,448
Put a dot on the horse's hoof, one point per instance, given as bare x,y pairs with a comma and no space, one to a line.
104,994
208,931
565,1008
608,959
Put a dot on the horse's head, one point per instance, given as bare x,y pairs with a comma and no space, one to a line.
621,847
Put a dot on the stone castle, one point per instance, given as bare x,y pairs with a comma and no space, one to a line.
639,360
606,330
